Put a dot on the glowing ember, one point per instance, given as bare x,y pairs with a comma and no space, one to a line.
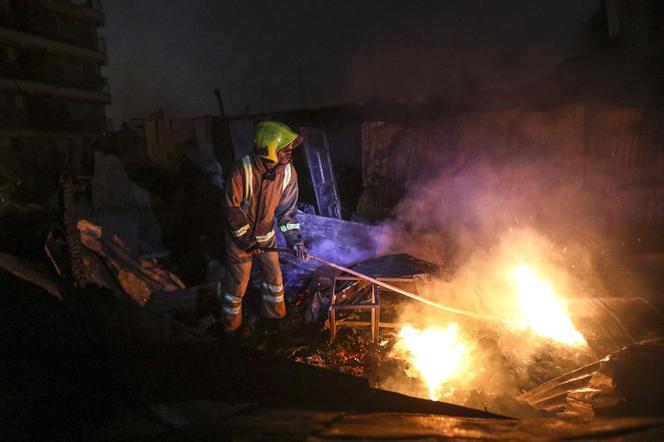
438,355
543,310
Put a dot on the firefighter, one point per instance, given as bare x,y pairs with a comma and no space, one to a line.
261,187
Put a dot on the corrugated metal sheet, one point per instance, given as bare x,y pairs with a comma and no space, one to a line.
394,155
609,324
617,153
628,144
162,137
200,139
625,383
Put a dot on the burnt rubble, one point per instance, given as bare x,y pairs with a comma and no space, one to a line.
624,383
134,262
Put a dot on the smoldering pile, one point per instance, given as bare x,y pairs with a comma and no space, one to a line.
507,362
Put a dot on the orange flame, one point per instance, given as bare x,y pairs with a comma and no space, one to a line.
542,310
442,358
436,354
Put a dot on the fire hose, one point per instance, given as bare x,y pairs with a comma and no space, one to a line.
391,287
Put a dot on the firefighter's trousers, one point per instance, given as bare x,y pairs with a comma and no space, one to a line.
239,271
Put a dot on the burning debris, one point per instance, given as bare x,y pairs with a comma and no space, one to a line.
528,335
437,355
507,320
438,349
543,311
497,354
511,330
493,279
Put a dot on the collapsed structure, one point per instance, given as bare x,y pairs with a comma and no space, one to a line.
111,237
502,211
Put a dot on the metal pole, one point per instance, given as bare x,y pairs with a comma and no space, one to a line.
220,102
394,288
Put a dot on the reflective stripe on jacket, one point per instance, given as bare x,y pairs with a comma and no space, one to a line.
253,200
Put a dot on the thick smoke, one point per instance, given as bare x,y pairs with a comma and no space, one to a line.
469,209
479,221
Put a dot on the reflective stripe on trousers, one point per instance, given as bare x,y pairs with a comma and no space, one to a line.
264,238
274,293
239,265
232,304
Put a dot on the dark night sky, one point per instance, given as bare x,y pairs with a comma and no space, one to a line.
171,55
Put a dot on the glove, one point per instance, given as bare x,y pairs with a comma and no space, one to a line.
301,252
254,250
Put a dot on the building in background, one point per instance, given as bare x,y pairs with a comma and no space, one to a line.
52,93
51,88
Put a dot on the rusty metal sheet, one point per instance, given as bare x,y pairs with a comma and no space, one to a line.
162,136
394,156
609,324
625,383
625,145
613,152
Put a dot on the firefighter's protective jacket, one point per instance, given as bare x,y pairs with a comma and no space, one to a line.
254,197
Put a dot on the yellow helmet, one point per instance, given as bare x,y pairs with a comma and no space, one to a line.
271,137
